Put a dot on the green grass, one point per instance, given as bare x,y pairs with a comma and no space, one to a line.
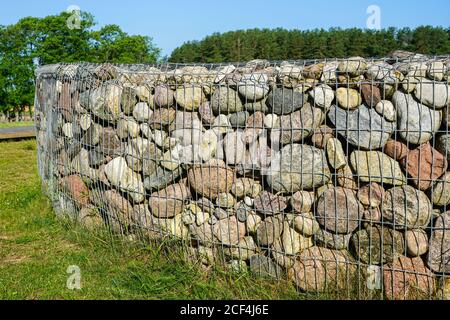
16,124
36,249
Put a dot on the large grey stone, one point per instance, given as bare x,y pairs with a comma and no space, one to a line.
362,127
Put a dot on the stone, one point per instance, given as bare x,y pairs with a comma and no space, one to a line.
378,70
127,127
85,121
293,242
245,248
432,94
309,170
375,166
203,233
206,113
371,195
440,193
249,201
362,127
128,100
424,165
386,109
252,222
371,94
169,202
76,188
302,201
254,86
190,97
121,176
267,203
246,187
306,224
144,94
377,245
408,279
211,178
109,144
225,101
103,102
229,231
253,106
265,267
416,241
321,135
268,231
297,126
354,66
323,96
409,83
161,117
119,210
346,178
174,227
234,147
67,130
209,145
416,122
221,125
223,72
160,178
238,119
142,112
271,121
436,70
331,240
338,210
254,127
335,153
442,144
225,200
164,96
284,101
397,150
320,269
348,98
439,246
416,214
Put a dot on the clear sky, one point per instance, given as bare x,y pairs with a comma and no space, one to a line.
170,23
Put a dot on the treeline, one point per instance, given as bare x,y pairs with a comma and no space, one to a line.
37,41
281,44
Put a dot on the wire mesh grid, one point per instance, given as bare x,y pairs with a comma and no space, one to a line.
330,173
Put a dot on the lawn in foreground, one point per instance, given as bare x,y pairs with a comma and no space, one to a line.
36,249
16,124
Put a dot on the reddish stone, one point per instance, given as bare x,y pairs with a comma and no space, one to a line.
75,186
396,149
424,164
408,279
371,195
320,136
371,94
270,204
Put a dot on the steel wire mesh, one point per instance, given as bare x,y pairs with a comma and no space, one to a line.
331,173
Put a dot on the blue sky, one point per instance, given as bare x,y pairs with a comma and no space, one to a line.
170,23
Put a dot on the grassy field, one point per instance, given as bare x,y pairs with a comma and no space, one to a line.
16,124
36,249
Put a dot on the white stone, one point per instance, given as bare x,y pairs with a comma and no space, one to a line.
271,121
323,96
386,109
121,176
142,112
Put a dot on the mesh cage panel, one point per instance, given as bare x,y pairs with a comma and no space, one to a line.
330,173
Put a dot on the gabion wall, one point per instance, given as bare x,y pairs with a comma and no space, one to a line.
331,173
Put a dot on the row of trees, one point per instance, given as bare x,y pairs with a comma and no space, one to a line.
37,41
282,44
